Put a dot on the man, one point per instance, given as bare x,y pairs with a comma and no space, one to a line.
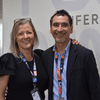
72,70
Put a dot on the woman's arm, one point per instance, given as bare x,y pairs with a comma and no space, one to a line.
3,84
74,41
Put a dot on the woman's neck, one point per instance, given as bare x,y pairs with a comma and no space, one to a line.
27,54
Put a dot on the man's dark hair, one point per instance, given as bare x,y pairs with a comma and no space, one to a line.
61,13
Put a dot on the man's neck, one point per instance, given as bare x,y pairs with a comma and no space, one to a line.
60,47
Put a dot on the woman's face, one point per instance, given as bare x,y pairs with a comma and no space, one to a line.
25,37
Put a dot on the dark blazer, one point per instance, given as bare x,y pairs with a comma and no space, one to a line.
82,74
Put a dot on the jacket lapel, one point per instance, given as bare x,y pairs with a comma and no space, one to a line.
51,62
70,65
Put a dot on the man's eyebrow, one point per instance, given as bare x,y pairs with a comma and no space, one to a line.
55,22
65,22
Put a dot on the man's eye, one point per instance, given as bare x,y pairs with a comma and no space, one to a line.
64,25
55,25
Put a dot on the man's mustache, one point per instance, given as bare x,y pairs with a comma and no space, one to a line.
60,33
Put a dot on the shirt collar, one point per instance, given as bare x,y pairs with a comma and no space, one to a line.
68,46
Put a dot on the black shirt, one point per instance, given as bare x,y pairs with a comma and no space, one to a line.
20,82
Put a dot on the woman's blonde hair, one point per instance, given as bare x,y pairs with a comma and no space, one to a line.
13,44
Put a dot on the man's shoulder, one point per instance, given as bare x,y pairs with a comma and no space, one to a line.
48,52
83,50
38,52
80,47
50,49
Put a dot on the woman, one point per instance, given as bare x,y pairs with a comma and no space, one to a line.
22,70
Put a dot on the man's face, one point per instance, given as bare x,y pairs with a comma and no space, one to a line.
61,29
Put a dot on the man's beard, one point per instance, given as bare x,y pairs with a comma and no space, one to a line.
60,35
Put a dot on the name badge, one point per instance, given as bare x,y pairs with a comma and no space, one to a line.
35,94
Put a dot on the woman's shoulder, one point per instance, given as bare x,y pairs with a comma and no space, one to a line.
7,64
6,56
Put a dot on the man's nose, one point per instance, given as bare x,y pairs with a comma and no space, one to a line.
60,28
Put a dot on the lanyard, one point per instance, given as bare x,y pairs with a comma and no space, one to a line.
34,73
59,72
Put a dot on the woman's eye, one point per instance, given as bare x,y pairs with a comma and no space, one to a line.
29,32
20,33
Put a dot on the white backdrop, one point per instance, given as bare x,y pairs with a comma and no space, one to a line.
1,31
85,14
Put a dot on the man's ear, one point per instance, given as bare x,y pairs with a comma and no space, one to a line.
71,28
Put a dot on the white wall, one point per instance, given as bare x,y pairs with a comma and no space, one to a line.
86,18
40,11
1,38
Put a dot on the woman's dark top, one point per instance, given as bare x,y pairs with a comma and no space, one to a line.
20,82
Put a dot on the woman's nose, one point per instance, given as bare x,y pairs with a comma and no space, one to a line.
25,35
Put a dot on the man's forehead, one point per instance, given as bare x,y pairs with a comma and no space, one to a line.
60,18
